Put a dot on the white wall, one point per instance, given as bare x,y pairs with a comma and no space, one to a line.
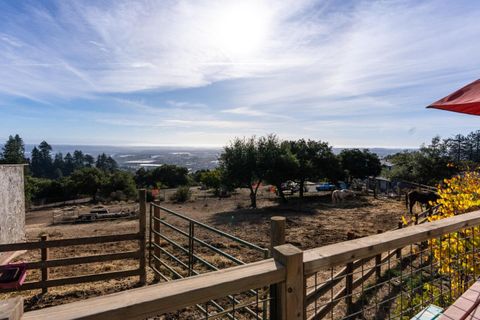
12,204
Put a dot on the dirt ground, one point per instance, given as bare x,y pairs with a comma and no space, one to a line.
311,223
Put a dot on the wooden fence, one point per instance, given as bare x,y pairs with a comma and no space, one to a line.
288,272
45,262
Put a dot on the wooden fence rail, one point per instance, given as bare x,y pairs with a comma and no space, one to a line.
46,262
282,271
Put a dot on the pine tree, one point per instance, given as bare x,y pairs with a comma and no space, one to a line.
13,152
69,164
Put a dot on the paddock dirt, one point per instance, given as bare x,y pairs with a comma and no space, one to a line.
310,223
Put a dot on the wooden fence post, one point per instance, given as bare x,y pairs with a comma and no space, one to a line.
277,231
156,240
292,290
142,221
44,257
277,238
378,263
349,282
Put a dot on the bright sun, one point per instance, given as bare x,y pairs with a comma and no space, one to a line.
240,30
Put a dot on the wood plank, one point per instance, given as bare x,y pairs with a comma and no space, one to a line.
161,298
11,309
466,306
68,242
74,280
85,259
340,253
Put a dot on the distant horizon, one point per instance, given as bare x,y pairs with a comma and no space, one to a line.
198,146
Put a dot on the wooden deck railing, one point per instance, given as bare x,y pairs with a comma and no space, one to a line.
288,272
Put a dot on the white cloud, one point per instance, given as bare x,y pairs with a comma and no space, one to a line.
245,111
298,67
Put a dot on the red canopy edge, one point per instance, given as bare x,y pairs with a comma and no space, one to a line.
464,100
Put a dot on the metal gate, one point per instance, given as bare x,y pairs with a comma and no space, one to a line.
182,247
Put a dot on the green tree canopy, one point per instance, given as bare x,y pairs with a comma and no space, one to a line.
240,163
315,160
87,181
429,165
276,162
211,178
360,163
167,175
13,152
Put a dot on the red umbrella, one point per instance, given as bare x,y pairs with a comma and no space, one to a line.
464,100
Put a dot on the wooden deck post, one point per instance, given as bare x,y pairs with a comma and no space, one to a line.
11,309
156,240
277,231
277,238
290,301
44,257
142,221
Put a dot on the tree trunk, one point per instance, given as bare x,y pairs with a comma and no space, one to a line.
253,198
281,194
300,192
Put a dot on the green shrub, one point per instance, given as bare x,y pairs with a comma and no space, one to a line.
182,194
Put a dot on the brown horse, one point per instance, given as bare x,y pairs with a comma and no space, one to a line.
422,197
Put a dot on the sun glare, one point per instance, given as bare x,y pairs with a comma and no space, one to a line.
240,30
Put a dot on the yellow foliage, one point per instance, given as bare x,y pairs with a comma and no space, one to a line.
455,253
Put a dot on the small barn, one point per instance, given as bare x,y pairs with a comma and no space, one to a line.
12,205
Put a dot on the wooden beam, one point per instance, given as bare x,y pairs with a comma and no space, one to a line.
68,242
74,280
161,298
85,259
11,309
340,253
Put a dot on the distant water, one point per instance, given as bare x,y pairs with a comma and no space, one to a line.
133,158
193,158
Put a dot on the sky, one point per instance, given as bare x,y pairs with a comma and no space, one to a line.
199,73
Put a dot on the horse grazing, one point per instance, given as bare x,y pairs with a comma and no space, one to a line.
342,195
422,197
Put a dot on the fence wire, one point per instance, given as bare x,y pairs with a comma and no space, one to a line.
396,284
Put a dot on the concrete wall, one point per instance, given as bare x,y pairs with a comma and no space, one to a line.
12,204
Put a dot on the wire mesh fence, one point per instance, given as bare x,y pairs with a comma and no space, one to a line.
396,284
